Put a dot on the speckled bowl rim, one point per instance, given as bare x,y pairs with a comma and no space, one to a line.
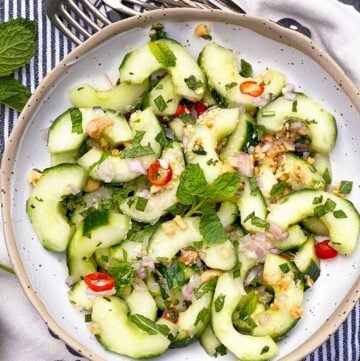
257,24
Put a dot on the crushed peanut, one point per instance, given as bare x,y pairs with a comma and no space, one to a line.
33,177
169,228
209,275
310,160
115,152
92,185
188,257
103,143
202,30
309,281
180,222
96,126
94,328
296,312
274,307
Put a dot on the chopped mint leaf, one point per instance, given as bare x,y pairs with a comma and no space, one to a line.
220,350
225,185
278,188
95,219
247,305
199,149
76,120
163,54
163,140
329,205
284,268
88,317
157,32
253,186
219,303
211,227
250,216
229,86
317,200
345,187
148,325
258,222
236,272
202,315
205,288
294,106
124,274
141,204
327,176
264,350
246,69
193,83
319,211
160,103
136,149
260,131
339,214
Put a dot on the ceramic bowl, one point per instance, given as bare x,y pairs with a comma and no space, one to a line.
262,43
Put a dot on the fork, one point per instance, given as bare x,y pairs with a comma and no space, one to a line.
79,19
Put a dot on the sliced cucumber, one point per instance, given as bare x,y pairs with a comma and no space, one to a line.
285,311
108,168
252,204
119,132
194,320
323,166
100,229
79,298
127,251
66,157
160,201
122,97
169,239
315,226
118,334
44,204
227,213
210,343
177,126
301,173
162,98
141,302
297,206
203,137
165,54
321,124
266,179
307,261
220,66
220,256
242,137
295,239
245,347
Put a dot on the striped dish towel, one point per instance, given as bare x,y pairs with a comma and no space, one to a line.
18,320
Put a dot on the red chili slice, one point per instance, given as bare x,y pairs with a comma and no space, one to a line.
252,88
180,110
171,314
158,175
99,281
200,108
324,250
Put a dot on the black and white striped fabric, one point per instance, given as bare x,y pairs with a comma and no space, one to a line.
18,320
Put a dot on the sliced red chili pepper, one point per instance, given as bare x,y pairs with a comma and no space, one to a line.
171,314
180,110
158,175
252,88
200,108
99,281
324,250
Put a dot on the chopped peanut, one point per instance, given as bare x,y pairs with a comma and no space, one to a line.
33,177
283,284
103,143
180,222
309,281
284,177
296,312
310,160
94,328
169,228
274,307
209,275
92,185
202,30
209,123
96,126
115,152
188,257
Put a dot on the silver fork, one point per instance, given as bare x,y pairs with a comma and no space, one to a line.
79,19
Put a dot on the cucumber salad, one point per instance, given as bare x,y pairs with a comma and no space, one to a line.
194,200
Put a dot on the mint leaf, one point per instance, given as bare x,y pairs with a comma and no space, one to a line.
13,93
148,325
225,185
160,103
247,305
210,226
193,83
340,214
219,303
95,219
17,44
327,176
284,267
157,32
345,187
202,315
163,54
220,350
141,204
163,140
138,151
76,120
278,188
192,183
246,69
205,288
124,274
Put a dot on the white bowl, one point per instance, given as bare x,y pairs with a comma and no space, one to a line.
262,43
